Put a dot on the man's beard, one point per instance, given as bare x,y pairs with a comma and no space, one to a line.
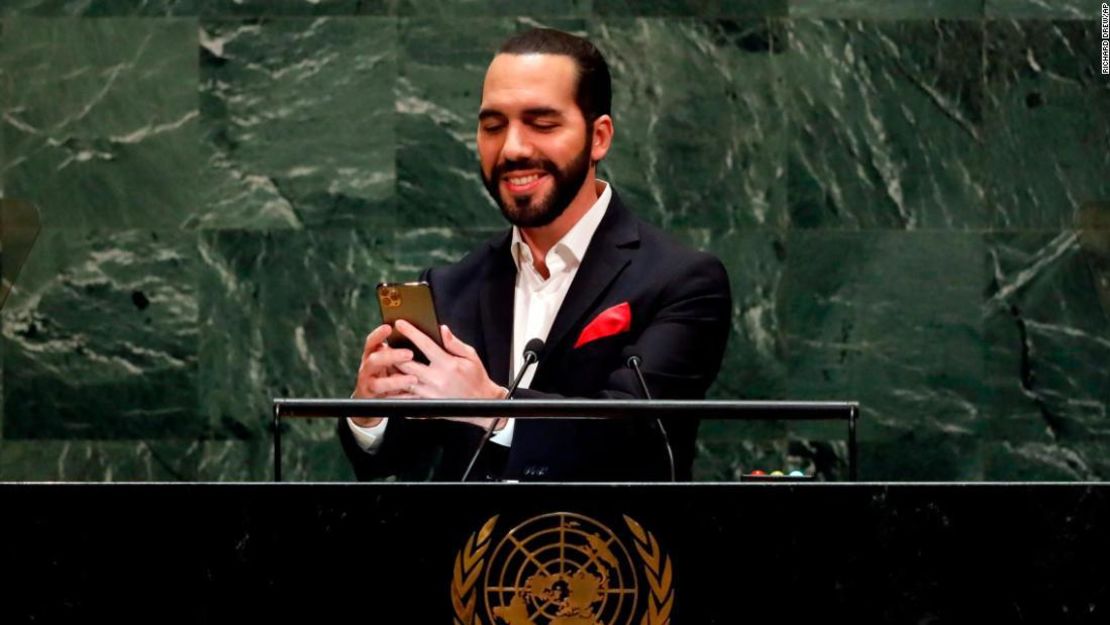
528,211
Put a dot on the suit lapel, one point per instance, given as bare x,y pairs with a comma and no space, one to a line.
610,250
497,303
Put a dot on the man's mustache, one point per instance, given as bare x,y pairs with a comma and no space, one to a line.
523,165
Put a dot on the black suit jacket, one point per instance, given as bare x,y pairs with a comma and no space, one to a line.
681,309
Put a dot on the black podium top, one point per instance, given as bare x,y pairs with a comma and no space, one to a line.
424,553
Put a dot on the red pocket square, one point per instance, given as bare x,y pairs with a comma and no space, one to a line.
611,321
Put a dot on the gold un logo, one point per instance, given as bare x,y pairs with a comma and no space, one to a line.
561,569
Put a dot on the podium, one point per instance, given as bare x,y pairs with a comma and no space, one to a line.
551,554
486,553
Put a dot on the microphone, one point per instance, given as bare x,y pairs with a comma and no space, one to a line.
532,353
633,363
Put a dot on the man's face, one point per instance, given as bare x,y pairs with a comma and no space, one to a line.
533,142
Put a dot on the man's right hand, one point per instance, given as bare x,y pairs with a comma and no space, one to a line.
377,373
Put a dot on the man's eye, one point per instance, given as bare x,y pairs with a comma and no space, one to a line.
492,127
544,126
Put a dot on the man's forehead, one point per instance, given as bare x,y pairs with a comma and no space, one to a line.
548,79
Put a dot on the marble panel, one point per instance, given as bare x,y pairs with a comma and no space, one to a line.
754,366
100,8
699,127
283,8
284,314
100,338
301,134
1042,9
5,92
887,9
312,457
1032,461
1047,123
100,126
304,460
891,319
129,461
418,249
690,8
922,454
298,122
492,8
887,124
1047,340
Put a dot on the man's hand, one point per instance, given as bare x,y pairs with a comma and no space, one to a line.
453,372
377,373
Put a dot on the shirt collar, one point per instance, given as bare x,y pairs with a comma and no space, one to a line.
572,247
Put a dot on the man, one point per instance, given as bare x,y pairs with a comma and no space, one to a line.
578,271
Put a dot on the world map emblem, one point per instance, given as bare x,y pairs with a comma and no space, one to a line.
562,568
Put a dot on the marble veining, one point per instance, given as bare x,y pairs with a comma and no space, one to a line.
910,197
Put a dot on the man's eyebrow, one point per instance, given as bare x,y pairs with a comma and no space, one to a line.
488,113
538,111
542,111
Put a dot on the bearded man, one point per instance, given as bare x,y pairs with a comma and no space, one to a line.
577,270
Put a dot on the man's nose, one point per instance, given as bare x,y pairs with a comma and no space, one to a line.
517,144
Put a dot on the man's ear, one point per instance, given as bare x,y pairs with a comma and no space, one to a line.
601,138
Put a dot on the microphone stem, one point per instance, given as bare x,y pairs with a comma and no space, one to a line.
482,445
529,359
634,362
640,374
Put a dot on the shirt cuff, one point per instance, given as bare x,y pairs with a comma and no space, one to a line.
505,436
370,439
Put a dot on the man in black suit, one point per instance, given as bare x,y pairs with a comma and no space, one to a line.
577,270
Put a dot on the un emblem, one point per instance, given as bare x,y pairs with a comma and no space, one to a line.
561,569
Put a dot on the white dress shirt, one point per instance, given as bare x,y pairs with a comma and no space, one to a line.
536,301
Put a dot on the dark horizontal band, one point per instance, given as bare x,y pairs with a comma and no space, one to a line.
567,408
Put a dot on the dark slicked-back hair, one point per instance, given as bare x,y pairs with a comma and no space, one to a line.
594,94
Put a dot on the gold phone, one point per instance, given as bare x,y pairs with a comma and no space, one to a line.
411,301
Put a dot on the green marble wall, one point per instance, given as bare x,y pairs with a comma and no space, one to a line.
912,198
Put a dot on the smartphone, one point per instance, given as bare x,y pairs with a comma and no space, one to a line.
411,301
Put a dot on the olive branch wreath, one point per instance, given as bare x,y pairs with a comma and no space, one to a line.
468,569
660,579
469,563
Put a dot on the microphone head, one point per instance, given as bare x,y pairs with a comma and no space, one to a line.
631,358
535,347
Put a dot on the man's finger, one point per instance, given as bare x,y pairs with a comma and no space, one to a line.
420,371
420,340
388,358
456,346
375,338
392,384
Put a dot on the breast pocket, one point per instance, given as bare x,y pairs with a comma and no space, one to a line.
592,364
